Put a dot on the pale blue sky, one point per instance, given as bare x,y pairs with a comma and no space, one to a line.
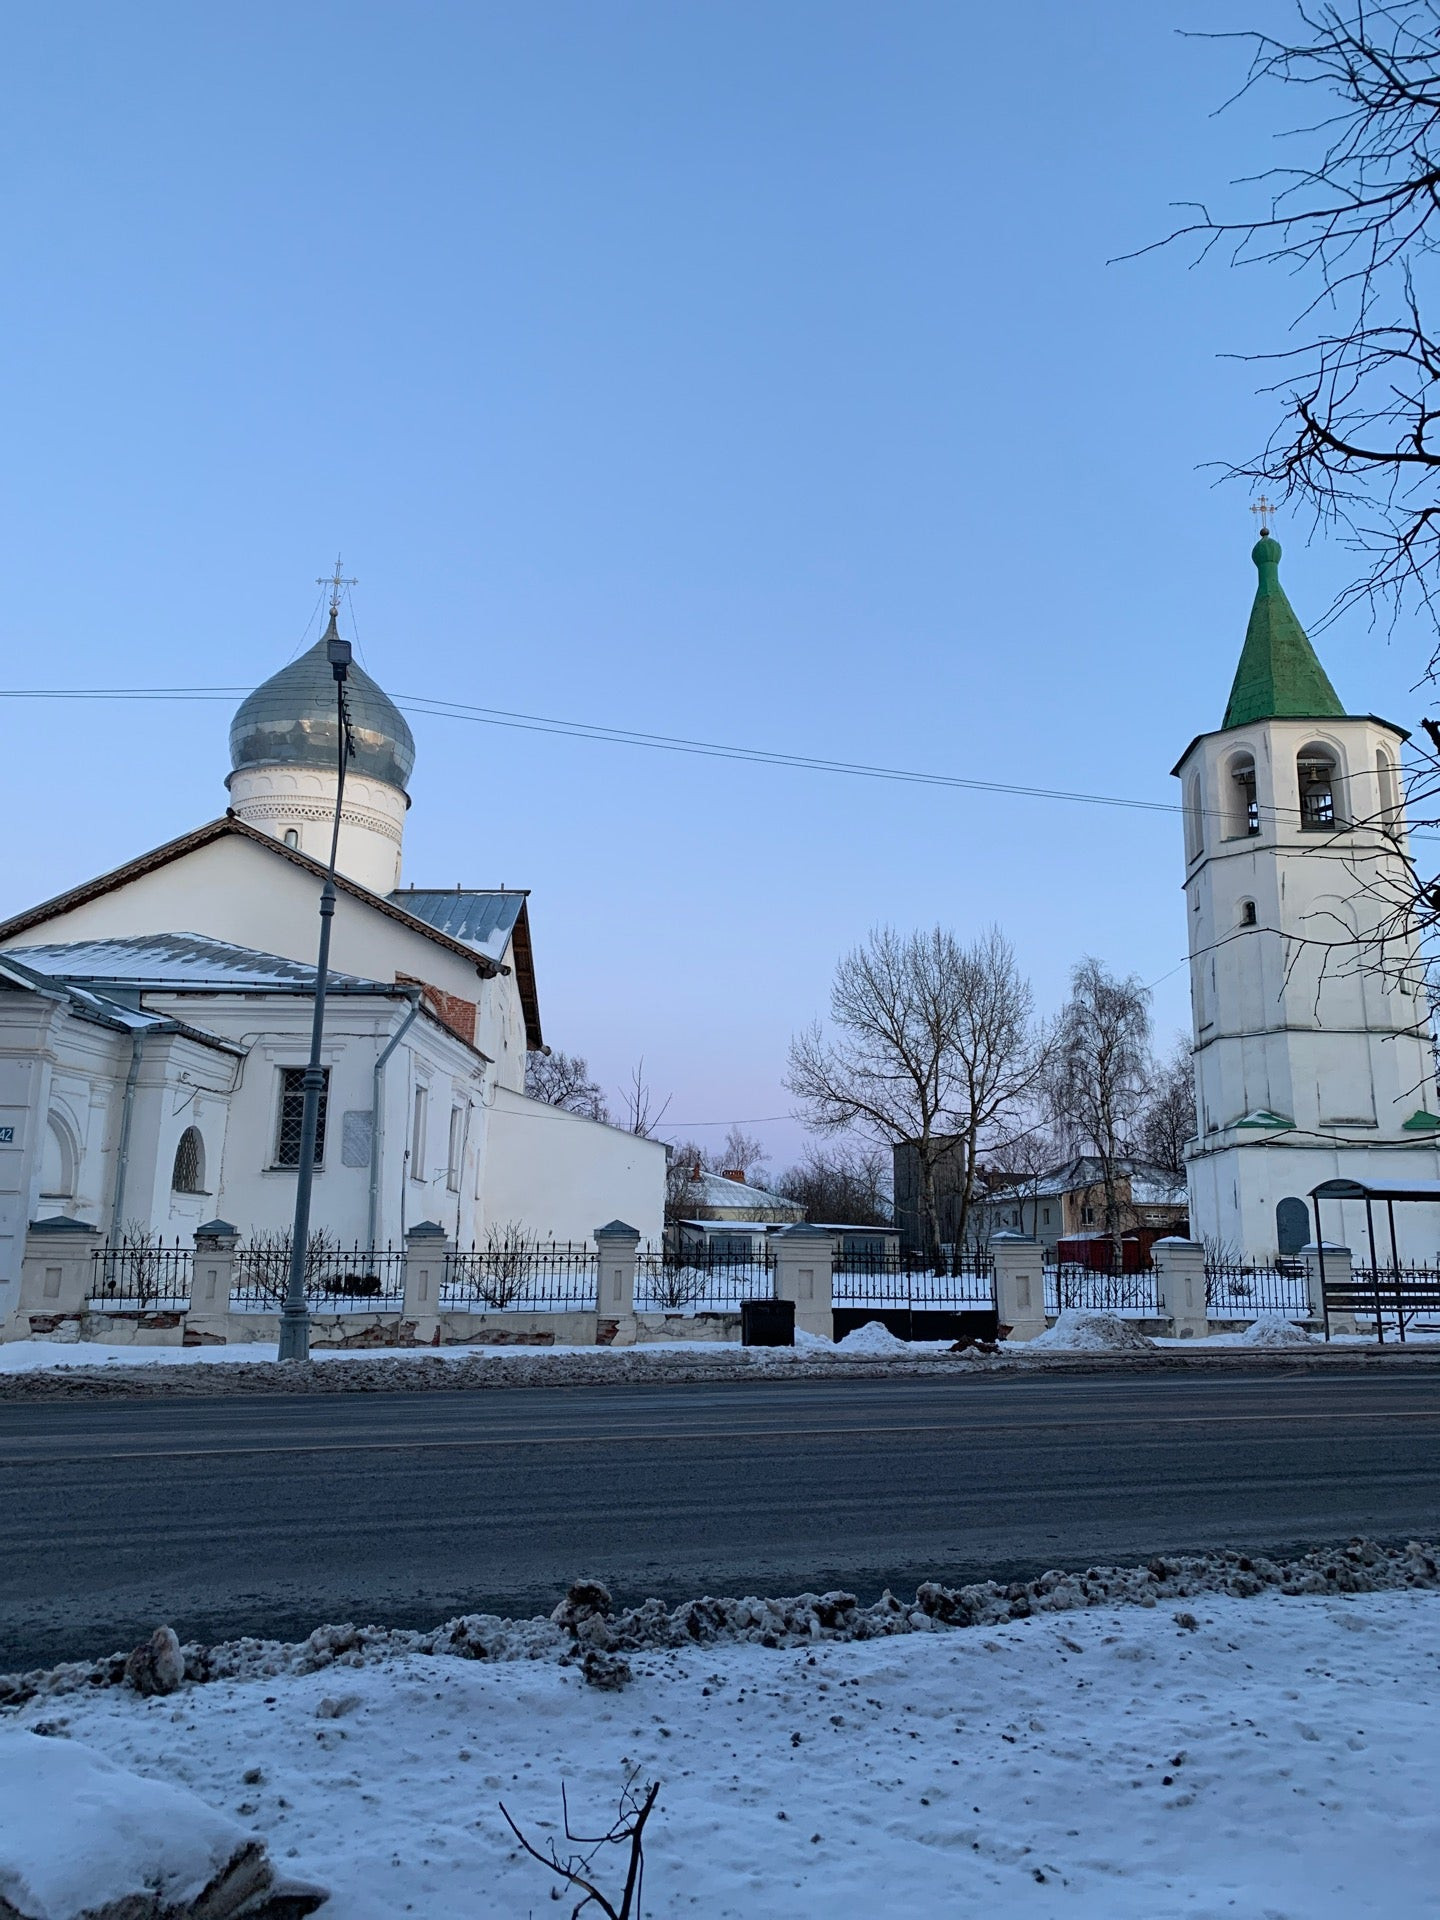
748,370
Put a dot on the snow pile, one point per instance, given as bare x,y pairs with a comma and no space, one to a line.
1274,1758
581,1622
874,1338
79,1834
1079,1330
1274,1330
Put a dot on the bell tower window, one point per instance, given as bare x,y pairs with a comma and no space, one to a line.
1247,913
1194,820
292,837
1242,812
1389,793
1319,777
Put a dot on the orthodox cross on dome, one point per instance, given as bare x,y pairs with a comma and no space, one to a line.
335,582
1263,509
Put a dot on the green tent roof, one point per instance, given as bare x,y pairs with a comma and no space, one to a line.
1278,676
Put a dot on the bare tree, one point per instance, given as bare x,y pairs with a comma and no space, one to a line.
890,1068
1352,219
638,1111
1016,1166
563,1080
1098,1074
848,1185
1001,1056
263,1265
1167,1116
577,1870
933,1040
742,1153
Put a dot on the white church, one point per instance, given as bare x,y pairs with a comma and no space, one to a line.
1312,1027
154,1022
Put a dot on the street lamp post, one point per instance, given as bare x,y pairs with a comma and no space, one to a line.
295,1317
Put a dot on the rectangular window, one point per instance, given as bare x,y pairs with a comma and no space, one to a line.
417,1134
457,1148
1047,1216
292,1115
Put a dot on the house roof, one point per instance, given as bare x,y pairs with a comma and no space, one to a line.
173,960
480,918
486,963
1148,1185
88,1003
715,1190
1279,675
486,921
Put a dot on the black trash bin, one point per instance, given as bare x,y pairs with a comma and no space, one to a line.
767,1323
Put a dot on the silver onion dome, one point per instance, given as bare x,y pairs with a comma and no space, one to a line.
291,721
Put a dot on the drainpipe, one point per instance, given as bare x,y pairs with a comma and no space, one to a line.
413,994
127,1107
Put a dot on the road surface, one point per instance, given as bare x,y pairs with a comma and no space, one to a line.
268,1514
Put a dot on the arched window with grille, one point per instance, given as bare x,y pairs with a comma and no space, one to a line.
189,1174
1318,771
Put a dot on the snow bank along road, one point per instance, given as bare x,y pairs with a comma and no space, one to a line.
266,1515
1217,1760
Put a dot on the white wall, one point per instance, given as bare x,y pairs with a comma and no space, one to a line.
1291,1015
560,1176
233,889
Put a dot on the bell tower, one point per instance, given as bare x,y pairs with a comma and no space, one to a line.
1312,1037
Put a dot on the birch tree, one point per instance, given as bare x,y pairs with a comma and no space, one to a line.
1099,1072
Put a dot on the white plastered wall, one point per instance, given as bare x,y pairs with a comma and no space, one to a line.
1291,1015
560,1176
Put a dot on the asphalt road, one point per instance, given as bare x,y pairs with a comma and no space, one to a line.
250,1514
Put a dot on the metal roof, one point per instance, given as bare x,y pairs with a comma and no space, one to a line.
172,960
292,720
481,918
1376,1190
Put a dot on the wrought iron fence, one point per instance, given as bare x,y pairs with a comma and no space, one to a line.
1237,1290
141,1277
1400,1295
890,1276
522,1276
702,1279
337,1279
1072,1284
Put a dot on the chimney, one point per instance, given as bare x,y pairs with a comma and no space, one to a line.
734,1173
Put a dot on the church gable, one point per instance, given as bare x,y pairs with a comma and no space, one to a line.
232,883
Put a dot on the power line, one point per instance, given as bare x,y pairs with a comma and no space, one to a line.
436,708
631,737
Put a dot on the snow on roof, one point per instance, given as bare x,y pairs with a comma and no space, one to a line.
171,960
715,1190
481,917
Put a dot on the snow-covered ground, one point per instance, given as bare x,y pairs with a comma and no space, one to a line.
1266,1759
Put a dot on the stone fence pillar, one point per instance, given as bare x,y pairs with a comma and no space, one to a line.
1339,1271
805,1273
1019,1284
55,1279
1180,1286
209,1317
618,1244
427,1249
